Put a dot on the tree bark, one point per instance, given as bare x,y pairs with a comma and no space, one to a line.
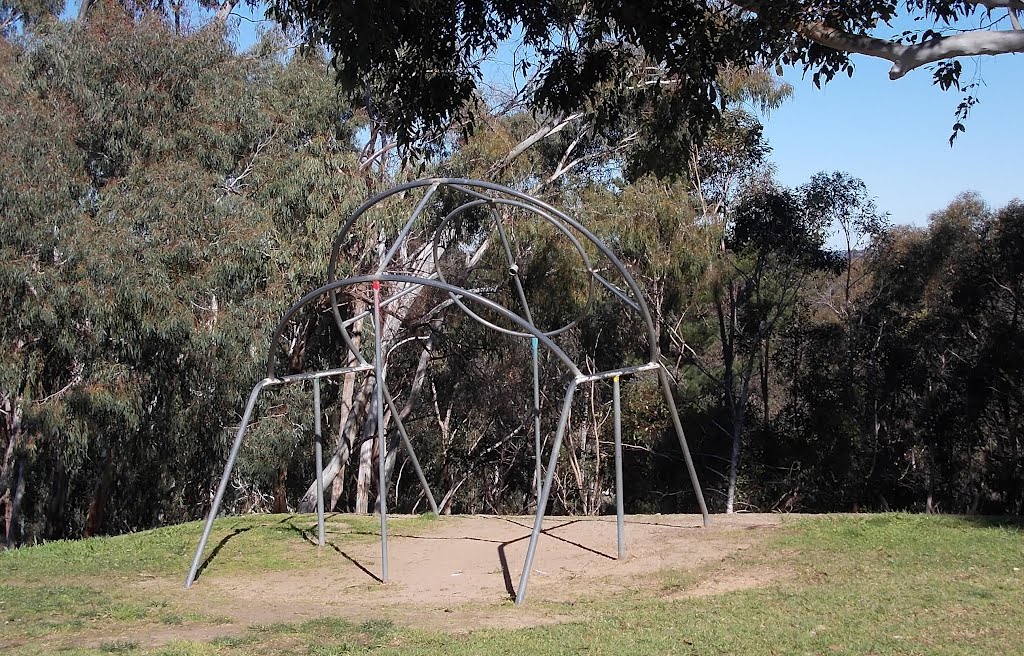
14,512
546,130
56,504
410,403
734,464
420,262
225,10
97,507
906,58
726,313
12,408
83,9
346,435
765,359
348,411
364,478
281,489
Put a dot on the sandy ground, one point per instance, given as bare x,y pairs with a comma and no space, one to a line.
461,573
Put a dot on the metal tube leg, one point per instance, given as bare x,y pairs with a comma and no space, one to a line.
667,390
542,502
408,448
382,448
620,531
537,474
319,454
223,482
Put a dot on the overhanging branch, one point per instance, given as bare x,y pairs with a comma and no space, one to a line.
967,44
906,58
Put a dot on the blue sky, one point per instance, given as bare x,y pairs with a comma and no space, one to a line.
893,134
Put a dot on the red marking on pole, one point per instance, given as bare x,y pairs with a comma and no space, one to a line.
376,285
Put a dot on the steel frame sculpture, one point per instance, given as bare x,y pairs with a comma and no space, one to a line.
488,197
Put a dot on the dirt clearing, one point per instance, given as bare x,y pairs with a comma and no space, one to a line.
461,572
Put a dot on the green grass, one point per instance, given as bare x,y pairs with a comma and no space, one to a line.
63,588
875,584
263,542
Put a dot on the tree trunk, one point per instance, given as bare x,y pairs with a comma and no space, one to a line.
97,507
422,264
734,464
726,312
56,505
346,420
348,411
12,411
364,478
83,9
597,497
764,384
347,440
410,403
14,512
225,10
281,489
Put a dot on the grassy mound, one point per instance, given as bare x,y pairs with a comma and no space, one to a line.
879,584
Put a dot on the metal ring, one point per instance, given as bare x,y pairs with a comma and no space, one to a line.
554,222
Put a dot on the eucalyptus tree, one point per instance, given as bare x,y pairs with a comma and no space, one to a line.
164,199
758,288
958,415
902,394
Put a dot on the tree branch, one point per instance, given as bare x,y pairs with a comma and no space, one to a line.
11,20
522,146
998,4
1014,20
225,10
906,58
958,45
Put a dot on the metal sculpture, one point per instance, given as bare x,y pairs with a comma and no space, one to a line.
454,199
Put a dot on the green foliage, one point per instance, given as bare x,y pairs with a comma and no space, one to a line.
422,72
906,401
659,66
165,199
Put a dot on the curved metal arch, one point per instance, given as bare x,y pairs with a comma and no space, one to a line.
332,287
465,185
558,226
536,208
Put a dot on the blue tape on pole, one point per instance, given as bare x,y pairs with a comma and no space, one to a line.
533,343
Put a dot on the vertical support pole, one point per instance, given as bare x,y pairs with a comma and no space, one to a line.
382,448
620,531
671,402
542,502
537,474
318,448
223,483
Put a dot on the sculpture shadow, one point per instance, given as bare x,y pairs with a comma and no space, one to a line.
308,536
506,571
216,550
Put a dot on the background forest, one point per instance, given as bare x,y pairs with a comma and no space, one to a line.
164,197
